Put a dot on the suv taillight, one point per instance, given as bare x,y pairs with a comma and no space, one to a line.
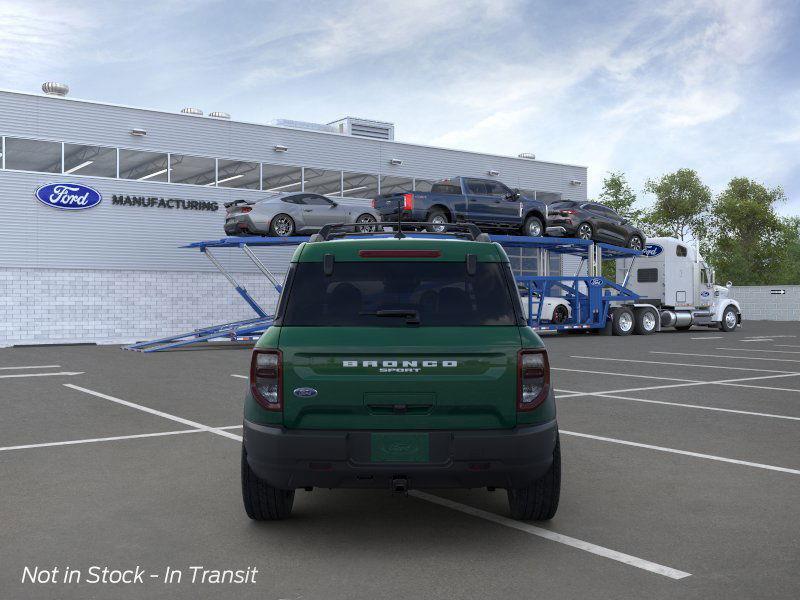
568,212
265,378
408,201
534,378
246,209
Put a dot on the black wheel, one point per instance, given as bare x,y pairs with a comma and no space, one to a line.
635,243
584,231
623,321
533,227
438,219
729,319
366,223
560,314
538,501
262,502
645,321
282,226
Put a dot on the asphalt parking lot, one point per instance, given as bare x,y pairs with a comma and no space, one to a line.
681,479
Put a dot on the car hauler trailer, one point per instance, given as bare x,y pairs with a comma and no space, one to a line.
591,302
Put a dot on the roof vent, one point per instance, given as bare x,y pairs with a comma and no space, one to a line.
527,155
377,130
219,115
303,125
192,111
51,88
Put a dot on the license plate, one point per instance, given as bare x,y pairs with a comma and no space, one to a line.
400,447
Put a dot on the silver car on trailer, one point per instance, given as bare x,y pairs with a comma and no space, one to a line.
294,213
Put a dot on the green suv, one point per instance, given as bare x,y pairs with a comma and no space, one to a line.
400,362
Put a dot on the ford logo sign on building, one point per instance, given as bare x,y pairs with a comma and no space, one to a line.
68,196
652,250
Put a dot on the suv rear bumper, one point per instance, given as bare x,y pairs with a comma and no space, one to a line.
291,459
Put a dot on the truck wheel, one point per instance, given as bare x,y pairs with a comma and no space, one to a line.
439,219
645,322
622,322
729,320
538,501
262,502
533,227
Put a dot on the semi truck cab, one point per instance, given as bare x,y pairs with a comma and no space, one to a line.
672,276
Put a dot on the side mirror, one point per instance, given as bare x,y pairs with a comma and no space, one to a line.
729,285
334,204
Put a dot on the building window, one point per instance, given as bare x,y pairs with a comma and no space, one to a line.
359,185
423,185
194,170
396,185
237,174
33,155
321,181
143,166
280,178
97,161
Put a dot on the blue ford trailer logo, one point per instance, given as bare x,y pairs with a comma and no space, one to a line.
596,281
305,392
652,250
68,196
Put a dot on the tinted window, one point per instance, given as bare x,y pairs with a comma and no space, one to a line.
360,185
476,186
196,170
315,200
238,174
647,275
562,204
280,178
33,155
144,166
495,188
294,199
681,250
441,292
90,160
446,187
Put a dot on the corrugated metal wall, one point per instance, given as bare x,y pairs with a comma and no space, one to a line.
125,237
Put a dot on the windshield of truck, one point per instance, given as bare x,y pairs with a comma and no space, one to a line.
398,294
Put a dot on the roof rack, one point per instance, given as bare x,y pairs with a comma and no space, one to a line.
469,231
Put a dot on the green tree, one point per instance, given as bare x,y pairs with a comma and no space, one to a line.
749,243
681,205
618,195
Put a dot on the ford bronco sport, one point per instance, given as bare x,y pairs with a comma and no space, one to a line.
400,362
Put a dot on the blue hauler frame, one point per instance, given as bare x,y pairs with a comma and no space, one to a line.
589,296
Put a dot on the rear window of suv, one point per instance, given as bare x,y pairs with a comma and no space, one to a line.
441,294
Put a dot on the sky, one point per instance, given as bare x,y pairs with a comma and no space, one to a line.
639,87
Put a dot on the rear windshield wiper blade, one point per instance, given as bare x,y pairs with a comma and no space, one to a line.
412,316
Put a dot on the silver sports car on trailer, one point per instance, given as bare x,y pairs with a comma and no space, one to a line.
294,213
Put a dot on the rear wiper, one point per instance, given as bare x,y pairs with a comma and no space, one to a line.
412,316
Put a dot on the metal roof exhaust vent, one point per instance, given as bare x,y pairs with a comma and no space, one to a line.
377,130
303,125
219,115
51,88
192,111
527,155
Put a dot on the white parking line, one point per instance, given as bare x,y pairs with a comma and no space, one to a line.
794,360
623,374
655,362
239,376
682,452
708,337
31,367
111,439
759,350
679,404
787,346
756,340
547,534
65,373
158,413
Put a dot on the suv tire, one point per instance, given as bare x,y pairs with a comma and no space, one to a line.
533,227
538,501
262,502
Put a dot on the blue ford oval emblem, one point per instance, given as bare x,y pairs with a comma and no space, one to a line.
596,281
68,196
305,392
652,250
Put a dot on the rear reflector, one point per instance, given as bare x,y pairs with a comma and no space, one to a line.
399,253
